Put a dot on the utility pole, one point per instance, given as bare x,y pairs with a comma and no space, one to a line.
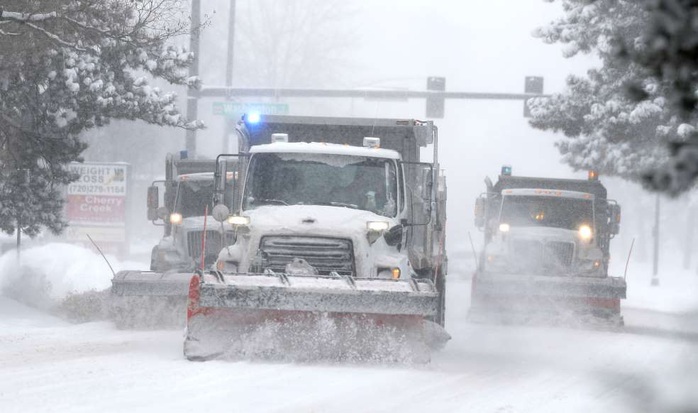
229,71
655,232
192,98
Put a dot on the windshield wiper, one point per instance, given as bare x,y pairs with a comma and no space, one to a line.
270,201
343,204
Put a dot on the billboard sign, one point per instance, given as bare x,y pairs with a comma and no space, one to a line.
96,205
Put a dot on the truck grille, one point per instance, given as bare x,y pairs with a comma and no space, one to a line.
325,254
536,255
213,245
559,253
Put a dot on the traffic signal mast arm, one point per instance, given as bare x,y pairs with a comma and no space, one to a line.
357,93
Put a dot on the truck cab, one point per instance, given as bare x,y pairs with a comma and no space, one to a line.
335,208
546,250
192,237
540,230
342,196
538,225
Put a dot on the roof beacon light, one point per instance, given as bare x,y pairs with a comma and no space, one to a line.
371,142
279,137
506,170
593,175
253,117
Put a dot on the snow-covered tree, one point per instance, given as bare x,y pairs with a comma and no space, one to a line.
67,66
605,128
669,51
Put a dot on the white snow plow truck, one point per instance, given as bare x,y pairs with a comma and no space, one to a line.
191,240
338,249
546,252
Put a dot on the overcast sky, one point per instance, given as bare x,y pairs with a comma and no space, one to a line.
478,46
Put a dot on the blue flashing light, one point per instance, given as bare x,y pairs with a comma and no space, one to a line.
506,170
253,118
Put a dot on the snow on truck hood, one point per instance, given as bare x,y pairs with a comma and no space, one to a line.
312,220
324,148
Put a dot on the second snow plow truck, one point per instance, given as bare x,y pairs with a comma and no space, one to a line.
546,252
191,239
339,245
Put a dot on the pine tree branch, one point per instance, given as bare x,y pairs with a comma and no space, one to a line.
26,17
56,38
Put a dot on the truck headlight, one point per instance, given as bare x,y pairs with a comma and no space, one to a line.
239,220
375,230
585,232
378,226
504,227
175,218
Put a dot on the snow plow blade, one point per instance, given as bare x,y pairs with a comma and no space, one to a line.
148,283
146,299
324,294
516,298
301,316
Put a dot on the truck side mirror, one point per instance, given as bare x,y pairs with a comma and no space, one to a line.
220,212
614,219
153,202
480,205
221,177
394,235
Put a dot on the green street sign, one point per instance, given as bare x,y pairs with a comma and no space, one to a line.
235,109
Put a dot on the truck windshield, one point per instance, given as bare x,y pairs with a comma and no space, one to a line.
544,211
193,196
320,179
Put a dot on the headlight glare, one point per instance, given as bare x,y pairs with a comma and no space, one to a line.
239,220
378,226
585,232
175,218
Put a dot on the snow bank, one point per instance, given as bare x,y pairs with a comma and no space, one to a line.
45,275
676,292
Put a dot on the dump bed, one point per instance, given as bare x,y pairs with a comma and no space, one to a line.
402,135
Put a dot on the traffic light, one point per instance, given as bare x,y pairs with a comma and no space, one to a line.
533,85
436,105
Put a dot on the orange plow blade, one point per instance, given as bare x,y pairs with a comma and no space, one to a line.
308,318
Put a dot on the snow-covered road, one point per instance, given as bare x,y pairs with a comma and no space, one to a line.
48,364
